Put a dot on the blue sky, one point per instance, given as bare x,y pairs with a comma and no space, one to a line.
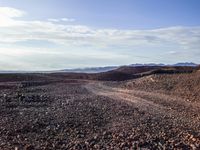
50,34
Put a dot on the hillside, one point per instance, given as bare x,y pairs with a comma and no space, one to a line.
185,85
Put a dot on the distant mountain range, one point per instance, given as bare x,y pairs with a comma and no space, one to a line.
177,64
92,69
102,69
186,64
109,68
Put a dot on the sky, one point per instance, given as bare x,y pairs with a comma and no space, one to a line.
53,35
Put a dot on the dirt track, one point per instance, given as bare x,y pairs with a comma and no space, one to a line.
80,114
150,101
178,111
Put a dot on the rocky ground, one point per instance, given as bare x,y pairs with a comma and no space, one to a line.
43,112
186,86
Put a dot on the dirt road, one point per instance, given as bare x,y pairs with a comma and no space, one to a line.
146,101
180,113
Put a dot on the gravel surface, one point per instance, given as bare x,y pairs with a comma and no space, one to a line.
65,114
186,86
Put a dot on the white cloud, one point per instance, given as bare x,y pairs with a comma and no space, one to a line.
81,38
172,52
49,59
68,19
61,19
186,37
53,20
11,12
14,30
7,16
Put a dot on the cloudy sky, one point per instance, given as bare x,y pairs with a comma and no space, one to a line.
59,34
